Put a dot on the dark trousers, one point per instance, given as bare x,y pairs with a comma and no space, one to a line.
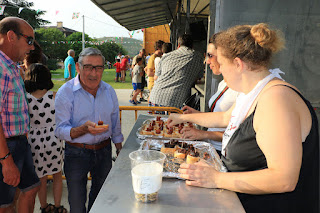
78,163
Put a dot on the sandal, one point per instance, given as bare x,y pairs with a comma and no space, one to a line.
48,209
60,209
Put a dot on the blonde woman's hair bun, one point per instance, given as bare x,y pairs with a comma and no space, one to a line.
267,38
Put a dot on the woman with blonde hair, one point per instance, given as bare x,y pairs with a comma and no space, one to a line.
271,143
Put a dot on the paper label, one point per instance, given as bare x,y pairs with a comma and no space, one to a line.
147,178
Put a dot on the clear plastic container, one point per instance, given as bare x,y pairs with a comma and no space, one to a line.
146,172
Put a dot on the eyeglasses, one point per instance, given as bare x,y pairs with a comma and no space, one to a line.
209,55
89,68
30,40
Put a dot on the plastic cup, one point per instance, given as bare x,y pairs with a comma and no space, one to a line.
146,172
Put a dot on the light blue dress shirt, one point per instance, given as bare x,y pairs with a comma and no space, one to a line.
74,106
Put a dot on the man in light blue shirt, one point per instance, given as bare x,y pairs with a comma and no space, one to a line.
69,66
80,104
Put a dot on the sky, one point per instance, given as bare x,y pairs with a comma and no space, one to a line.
97,23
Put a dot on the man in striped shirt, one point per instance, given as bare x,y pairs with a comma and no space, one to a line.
177,73
16,165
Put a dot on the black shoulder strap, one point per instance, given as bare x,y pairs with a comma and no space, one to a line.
292,89
306,101
312,112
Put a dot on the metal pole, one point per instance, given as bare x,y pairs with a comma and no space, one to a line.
187,29
83,34
211,81
177,24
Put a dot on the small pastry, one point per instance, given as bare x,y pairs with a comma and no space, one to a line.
183,145
101,125
180,153
147,131
176,134
174,142
168,149
206,156
158,132
192,157
160,123
168,133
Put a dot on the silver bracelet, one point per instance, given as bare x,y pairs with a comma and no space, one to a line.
5,157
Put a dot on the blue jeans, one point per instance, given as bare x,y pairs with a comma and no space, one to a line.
77,164
22,157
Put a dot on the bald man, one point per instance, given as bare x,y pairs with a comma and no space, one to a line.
69,66
16,164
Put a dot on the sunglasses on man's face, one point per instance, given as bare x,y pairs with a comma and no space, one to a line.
30,40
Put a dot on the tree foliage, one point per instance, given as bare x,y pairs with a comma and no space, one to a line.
52,42
55,45
28,14
75,42
131,45
110,50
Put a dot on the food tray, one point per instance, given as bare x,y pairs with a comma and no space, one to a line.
171,165
142,136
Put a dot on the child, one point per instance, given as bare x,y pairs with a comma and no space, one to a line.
46,148
124,67
137,73
118,70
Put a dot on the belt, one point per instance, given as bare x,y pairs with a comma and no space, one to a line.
17,137
96,146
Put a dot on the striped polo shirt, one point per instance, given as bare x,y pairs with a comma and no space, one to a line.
14,116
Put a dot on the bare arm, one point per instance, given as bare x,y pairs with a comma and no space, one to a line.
206,119
69,70
278,127
189,110
11,174
150,72
196,134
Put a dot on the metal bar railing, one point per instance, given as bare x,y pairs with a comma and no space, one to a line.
147,108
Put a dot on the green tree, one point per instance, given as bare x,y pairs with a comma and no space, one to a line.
75,42
28,14
52,42
110,50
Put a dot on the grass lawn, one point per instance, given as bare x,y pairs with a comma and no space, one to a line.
108,76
